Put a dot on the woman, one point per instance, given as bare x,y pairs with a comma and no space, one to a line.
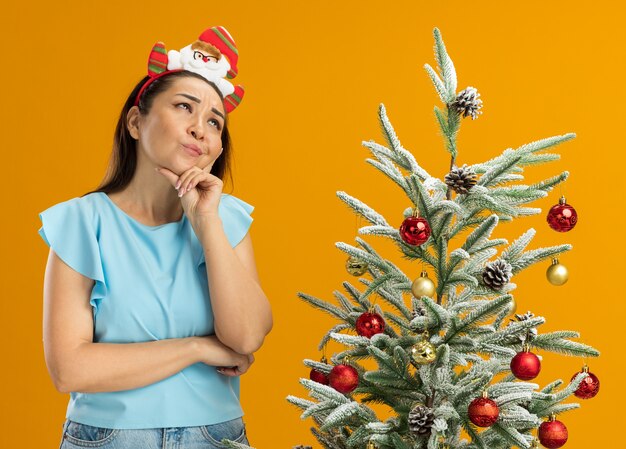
152,302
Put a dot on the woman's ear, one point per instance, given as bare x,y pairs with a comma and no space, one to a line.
132,122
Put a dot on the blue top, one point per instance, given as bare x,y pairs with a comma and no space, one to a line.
150,284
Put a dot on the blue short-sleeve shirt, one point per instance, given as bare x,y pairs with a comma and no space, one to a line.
150,284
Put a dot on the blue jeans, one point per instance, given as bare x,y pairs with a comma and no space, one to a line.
76,435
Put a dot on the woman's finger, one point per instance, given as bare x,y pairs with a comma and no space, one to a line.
207,181
172,177
183,181
195,179
207,169
228,371
209,166
169,175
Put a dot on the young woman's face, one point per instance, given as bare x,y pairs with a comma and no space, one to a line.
183,127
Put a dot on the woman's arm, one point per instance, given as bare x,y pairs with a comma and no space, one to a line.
242,313
76,363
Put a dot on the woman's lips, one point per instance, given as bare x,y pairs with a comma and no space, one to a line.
192,151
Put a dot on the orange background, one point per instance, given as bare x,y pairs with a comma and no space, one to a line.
314,76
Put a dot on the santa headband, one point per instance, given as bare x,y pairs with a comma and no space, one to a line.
213,55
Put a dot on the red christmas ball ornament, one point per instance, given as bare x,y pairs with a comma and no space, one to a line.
590,385
318,377
562,217
369,324
552,433
415,230
343,378
525,365
483,411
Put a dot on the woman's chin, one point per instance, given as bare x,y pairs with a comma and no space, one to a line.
182,164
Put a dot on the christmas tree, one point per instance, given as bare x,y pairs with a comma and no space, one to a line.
453,365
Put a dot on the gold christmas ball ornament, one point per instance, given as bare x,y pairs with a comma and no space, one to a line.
423,286
513,306
371,445
355,266
557,273
423,352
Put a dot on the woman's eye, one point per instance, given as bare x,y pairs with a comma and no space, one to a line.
213,122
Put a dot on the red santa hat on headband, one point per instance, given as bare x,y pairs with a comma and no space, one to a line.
223,41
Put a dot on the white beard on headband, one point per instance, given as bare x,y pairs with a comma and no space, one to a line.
214,71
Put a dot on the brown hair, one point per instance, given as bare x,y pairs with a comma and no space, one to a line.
123,160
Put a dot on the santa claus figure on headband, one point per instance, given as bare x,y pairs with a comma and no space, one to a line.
204,59
214,56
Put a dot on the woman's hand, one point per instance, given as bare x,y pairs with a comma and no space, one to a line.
239,369
215,353
200,191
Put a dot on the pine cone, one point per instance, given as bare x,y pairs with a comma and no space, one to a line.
532,332
461,180
528,315
497,274
468,103
421,420
420,311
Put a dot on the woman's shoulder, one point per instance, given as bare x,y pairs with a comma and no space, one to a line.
85,202
69,228
85,208
232,202
235,214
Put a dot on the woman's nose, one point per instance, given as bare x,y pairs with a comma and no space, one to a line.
196,131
